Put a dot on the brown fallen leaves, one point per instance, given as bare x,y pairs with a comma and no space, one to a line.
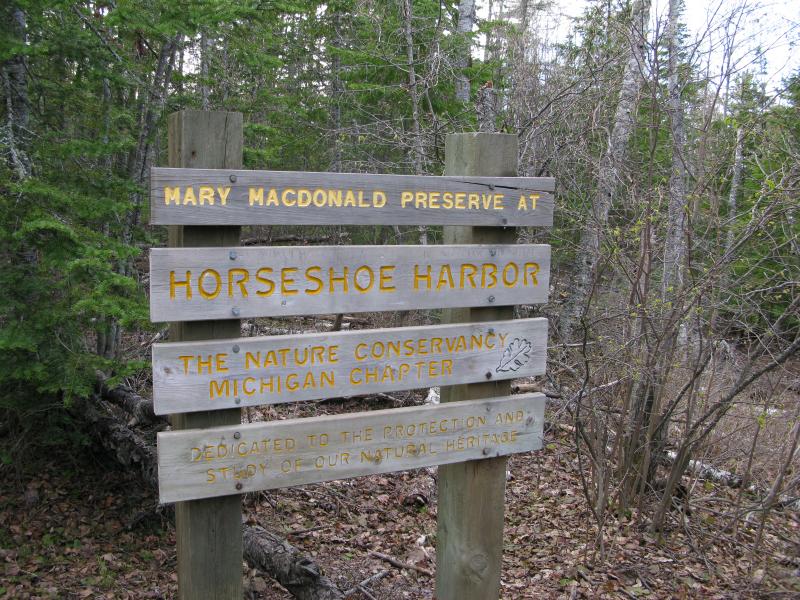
90,531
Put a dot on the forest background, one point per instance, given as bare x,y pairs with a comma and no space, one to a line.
675,304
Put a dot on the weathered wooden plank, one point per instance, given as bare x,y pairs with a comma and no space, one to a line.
469,546
204,463
218,283
234,197
270,370
208,532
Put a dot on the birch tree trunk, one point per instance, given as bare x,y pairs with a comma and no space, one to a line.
675,243
204,60
413,91
14,133
466,19
608,173
736,180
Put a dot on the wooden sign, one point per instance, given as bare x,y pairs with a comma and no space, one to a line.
204,463
214,375
191,284
233,197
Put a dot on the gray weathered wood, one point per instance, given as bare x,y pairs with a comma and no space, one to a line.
204,463
191,376
208,532
378,278
471,494
223,197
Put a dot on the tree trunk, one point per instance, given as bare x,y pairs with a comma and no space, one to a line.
675,244
413,92
608,174
466,20
204,60
15,89
736,180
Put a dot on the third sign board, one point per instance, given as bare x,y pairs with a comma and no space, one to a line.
193,376
191,284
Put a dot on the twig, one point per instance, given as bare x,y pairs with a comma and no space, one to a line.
360,586
309,530
400,565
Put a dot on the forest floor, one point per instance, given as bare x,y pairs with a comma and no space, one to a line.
72,525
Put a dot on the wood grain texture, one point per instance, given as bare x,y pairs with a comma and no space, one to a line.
378,278
303,198
270,370
471,494
208,532
205,463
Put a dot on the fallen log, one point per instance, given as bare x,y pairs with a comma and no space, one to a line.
141,409
262,550
299,574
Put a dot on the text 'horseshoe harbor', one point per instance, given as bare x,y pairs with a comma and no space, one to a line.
219,283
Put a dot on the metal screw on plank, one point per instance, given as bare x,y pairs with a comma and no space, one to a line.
505,221
490,331
235,348
232,178
491,299
237,400
239,485
237,435
493,252
485,453
232,255
488,374
235,311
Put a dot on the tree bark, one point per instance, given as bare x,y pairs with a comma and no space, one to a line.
675,243
608,174
466,20
15,89
736,180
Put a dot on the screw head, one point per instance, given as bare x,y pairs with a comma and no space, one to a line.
237,400
488,374
235,348
485,453
235,311
490,331
491,298
232,178
232,255
237,435
493,252
239,485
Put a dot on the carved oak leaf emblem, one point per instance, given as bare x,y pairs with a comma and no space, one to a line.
515,355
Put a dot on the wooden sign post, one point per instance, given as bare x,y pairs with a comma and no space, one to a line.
469,540
204,283
209,531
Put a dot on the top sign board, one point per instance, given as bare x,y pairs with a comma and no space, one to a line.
236,197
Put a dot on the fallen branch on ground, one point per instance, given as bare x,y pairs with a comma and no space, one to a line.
400,565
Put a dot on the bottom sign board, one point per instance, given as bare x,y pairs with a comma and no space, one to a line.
204,463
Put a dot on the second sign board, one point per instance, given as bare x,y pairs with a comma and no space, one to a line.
191,284
192,376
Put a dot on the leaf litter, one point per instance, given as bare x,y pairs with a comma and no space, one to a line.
92,531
